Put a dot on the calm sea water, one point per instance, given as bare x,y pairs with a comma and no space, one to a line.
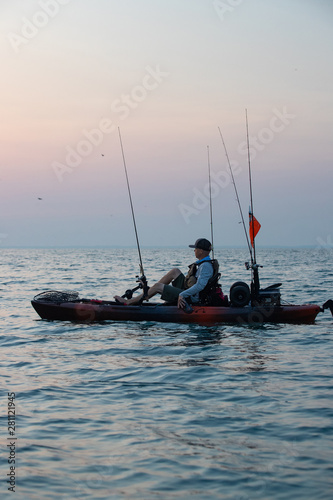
165,411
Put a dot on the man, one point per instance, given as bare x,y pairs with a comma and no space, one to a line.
182,287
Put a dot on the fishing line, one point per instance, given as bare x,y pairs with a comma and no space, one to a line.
131,203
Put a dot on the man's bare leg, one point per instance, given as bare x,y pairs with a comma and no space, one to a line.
153,290
170,276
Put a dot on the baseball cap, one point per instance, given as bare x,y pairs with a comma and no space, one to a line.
203,244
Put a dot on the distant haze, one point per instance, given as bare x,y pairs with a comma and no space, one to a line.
168,73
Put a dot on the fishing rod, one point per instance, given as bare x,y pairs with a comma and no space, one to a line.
250,184
210,202
254,265
143,277
237,197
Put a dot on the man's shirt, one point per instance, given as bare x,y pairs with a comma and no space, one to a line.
203,275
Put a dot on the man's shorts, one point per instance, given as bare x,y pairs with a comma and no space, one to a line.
171,292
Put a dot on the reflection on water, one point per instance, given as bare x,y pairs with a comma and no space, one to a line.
148,410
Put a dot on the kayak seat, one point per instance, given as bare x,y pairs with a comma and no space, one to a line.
212,294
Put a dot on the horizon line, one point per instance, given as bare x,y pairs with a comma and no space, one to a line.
50,247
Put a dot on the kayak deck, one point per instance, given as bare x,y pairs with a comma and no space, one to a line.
89,310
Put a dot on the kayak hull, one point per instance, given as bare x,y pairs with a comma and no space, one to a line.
86,310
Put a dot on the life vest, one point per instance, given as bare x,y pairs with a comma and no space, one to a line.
190,278
212,293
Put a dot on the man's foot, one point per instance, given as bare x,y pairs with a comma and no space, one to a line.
119,299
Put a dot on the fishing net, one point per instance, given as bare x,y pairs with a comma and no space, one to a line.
58,297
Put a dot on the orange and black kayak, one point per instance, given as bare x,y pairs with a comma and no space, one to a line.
65,307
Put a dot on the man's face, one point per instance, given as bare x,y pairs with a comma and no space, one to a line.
200,254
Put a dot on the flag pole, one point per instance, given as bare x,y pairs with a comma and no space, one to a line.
237,197
255,267
250,183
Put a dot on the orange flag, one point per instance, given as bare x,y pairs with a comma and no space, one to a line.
254,228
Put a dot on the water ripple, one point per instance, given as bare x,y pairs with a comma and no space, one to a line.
166,411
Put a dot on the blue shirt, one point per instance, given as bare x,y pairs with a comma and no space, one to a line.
203,275
204,259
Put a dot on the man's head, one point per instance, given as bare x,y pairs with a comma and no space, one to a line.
202,247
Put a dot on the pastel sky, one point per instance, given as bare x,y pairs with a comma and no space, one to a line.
168,73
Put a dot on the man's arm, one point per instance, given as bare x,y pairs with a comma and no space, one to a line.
204,274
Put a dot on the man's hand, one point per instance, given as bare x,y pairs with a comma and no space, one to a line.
181,302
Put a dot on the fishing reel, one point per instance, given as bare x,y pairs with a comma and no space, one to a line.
143,284
255,267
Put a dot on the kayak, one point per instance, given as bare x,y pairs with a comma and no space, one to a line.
72,308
